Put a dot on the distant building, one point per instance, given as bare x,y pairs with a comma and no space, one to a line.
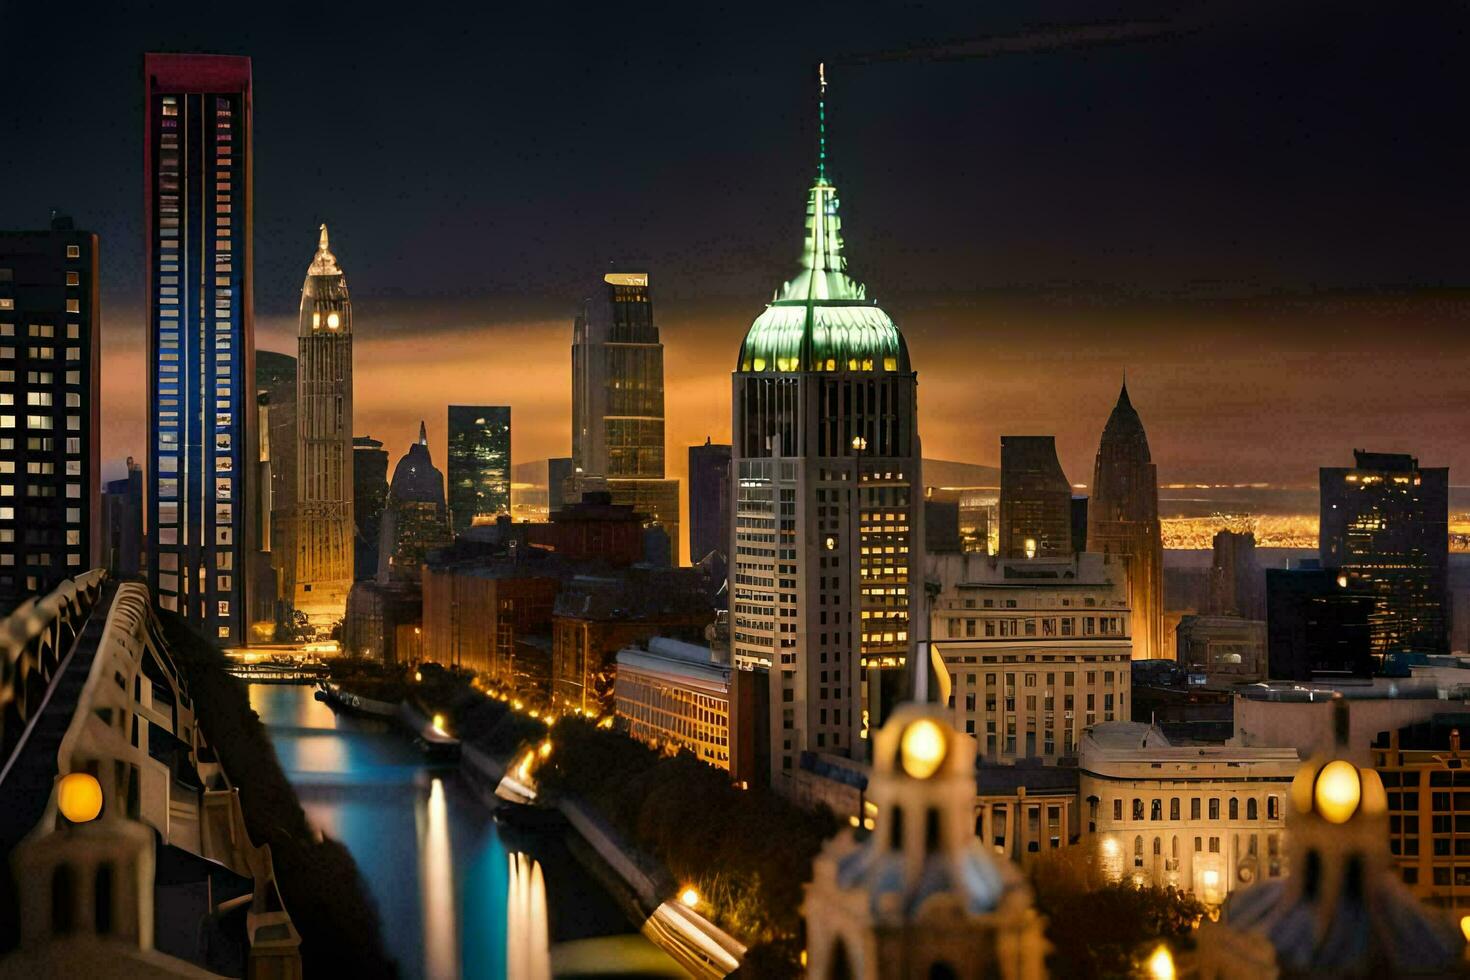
558,472
1123,521
709,500
1316,624
920,896
479,464
1426,772
50,474
415,520
275,490
826,484
597,615
122,522
976,517
1385,525
324,528
202,519
1202,819
1183,702
942,522
383,621
1037,650
675,695
1226,649
1035,499
369,497
1237,581
594,529
618,402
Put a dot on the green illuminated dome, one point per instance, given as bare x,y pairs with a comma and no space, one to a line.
822,320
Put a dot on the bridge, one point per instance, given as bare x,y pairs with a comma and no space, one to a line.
128,849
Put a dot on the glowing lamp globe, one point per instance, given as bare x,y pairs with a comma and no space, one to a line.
1338,791
79,797
1161,964
922,748
689,897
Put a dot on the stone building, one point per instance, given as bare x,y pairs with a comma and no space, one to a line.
1037,650
674,695
416,519
1202,819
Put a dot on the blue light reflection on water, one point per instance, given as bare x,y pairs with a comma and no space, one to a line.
425,844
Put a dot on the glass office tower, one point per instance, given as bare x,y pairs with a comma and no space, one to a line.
479,463
201,344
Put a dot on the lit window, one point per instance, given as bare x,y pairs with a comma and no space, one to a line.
73,251
73,278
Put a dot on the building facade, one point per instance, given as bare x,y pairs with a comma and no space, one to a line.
709,500
324,490
1385,525
618,402
275,489
1315,624
1202,819
827,502
1123,521
369,497
1037,650
479,464
1035,499
50,476
202,442
1426,774
674,695
1237,581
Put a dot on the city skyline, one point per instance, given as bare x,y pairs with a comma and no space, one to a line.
1246,281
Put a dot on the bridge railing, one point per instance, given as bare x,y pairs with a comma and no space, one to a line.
35,640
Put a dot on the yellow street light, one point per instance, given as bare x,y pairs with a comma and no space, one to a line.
689,897
418,675
439,724
1465,926
79,797
545,749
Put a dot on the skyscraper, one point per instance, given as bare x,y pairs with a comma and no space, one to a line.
369,495
122,523
1123,521
479,463
1237,582
324,489
825,490
1035,499
201,339
709,500
1385,525
618,402
50,491
415,520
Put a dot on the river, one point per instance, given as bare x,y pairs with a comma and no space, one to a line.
454,900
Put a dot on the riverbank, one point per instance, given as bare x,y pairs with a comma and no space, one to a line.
321,886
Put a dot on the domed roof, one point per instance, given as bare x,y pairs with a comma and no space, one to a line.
415,477
822,320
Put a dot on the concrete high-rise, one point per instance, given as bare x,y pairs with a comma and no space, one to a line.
479,463
324,489
826,498
1123,521
1385,526
369,496
50,490
709,500
1035,499
618,402
202,440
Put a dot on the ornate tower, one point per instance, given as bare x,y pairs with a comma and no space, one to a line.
324,527
921,896
1123,522
827,511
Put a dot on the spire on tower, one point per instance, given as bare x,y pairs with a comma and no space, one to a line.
322,245
324,263
821,120
423,434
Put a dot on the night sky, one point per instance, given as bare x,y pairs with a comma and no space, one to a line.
1260,214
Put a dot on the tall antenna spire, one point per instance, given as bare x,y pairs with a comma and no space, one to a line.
821,120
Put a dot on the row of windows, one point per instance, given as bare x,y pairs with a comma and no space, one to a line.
1156,808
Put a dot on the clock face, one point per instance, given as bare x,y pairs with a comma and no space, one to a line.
333,321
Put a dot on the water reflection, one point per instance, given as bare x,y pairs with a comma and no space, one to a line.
452,900
436,876
529,952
